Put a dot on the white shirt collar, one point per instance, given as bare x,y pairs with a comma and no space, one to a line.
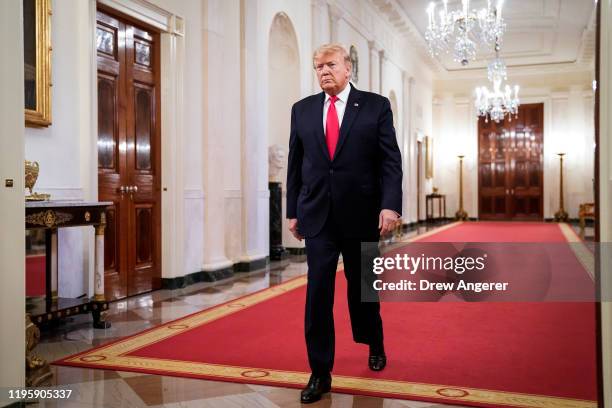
343,95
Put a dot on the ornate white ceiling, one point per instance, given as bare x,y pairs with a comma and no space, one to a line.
539,32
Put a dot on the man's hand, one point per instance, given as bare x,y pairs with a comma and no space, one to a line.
387,221
293,224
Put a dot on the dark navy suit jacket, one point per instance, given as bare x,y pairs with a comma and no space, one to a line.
364,176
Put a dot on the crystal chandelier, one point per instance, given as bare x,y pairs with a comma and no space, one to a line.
497,104
462,31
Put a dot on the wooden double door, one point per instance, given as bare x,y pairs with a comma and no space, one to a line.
129,157
510,166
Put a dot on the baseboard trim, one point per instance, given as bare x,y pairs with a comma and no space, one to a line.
196,277
296,251
588,223
214,275
251,265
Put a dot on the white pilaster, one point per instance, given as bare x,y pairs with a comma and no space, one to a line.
12,237
219,109
99,256
254,152
173,171
409,188
335,15
381,66
373,48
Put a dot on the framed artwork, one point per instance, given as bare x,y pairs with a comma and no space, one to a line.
428,157
37,62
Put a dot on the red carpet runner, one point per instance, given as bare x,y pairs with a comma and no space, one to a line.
477,354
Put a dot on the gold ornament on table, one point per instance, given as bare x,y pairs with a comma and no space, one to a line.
31,175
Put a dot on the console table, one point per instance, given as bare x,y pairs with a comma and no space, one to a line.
52,215
430,201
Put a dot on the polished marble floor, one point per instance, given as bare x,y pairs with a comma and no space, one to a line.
116,389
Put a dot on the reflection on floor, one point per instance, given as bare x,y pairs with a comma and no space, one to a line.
110,389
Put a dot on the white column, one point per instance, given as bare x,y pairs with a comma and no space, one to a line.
577,172
381,64
12,235
219,110
409,202
254,138
373,48
172,46
446,146
320,23
99,257
335,15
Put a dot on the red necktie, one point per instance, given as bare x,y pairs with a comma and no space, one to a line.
332,129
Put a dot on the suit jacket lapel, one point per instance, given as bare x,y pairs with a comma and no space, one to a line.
318,118
350,113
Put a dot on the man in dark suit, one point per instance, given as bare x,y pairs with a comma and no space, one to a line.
344,187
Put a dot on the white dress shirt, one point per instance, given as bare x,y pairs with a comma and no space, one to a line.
340,105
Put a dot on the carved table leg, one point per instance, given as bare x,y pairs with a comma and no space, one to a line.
38,372
98,311
99,305
54,265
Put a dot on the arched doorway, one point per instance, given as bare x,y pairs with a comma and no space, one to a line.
283,92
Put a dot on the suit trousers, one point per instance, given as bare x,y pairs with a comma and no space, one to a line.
323,251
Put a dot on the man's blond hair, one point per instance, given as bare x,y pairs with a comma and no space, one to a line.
332,48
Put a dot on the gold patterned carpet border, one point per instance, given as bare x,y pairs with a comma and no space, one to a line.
114,356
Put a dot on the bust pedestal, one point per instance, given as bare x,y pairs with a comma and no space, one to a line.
277,251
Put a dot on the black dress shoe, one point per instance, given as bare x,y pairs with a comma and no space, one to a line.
317,386
377,362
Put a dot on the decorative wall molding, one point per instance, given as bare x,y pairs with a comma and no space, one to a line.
148,13
235,194
194,194
385,41
395,15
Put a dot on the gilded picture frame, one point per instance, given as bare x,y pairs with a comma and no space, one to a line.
37,62
428,157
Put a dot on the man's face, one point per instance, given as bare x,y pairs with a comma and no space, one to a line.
332,72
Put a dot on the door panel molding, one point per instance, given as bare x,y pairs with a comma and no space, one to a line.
511,166
172,54
129,123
